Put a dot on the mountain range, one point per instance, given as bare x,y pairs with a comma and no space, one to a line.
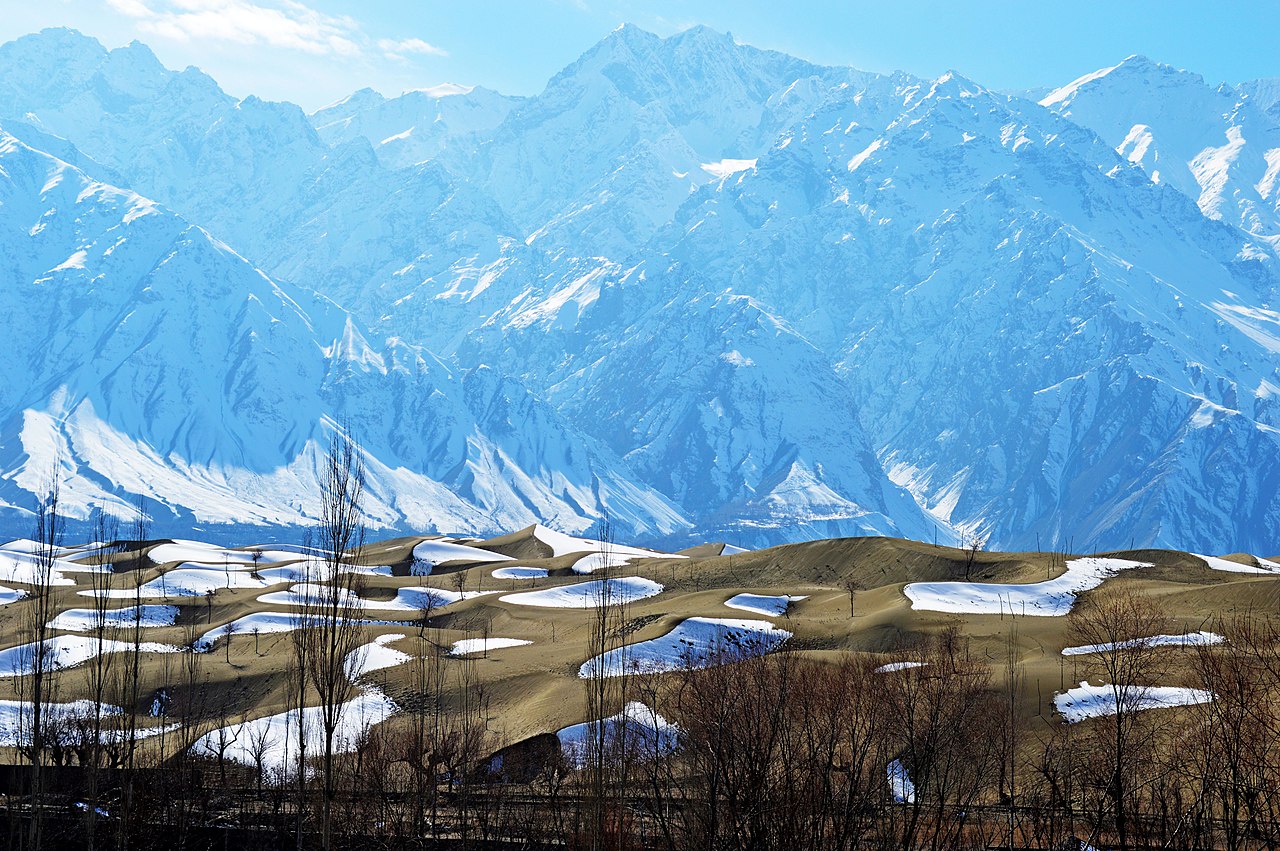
711,290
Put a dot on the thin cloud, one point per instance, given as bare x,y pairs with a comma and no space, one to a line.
283,24
399,48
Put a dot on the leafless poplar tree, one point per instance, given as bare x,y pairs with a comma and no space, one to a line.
334,630
1115,623
38,612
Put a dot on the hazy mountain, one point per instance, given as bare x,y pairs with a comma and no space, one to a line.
148,358
741,291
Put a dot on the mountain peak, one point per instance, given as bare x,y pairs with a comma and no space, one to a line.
701,34
1132,70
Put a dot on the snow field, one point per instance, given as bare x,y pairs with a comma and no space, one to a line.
435,553
309,595
184,582
68,651
1192,639
1051,598
272,741
211,554
898,666
86,620
600,561
694,643
900,785
563,545
265,623
479,645
585,595
643,731
375,656
24,569
1215,563
762,604
1086,701
520,573
15,718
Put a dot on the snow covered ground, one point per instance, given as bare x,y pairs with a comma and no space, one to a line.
898,666
184,582
15,718
1215,563
204,553
375,656
23,568
1191,639
1086,701
520,573
585,595
645,733
272,741
306,595
86,620
270,622
600,561
1051,598
563,545
762,604
694,643
68,651
480,645
435,553
900,785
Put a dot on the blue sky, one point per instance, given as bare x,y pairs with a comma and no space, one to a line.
316,51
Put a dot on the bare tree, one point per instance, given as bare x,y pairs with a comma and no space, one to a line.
130,680
334,628
106,530
39,611
851,587
1116,624
606,751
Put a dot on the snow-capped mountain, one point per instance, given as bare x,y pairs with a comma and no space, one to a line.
1040,341
744,295
416,126
1214,144
167,366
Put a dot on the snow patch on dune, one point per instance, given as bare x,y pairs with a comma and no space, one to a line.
481,645
1192,639
436,553
1228,566
68,651
762,604
274,738
643,732
1051,598
1086,701
375,656
900,785
520,573
898,666
694,643
585,595
87,620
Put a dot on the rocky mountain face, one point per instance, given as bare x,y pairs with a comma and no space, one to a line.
148,358
719,291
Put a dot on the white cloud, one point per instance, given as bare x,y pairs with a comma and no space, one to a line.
281,24
399,47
